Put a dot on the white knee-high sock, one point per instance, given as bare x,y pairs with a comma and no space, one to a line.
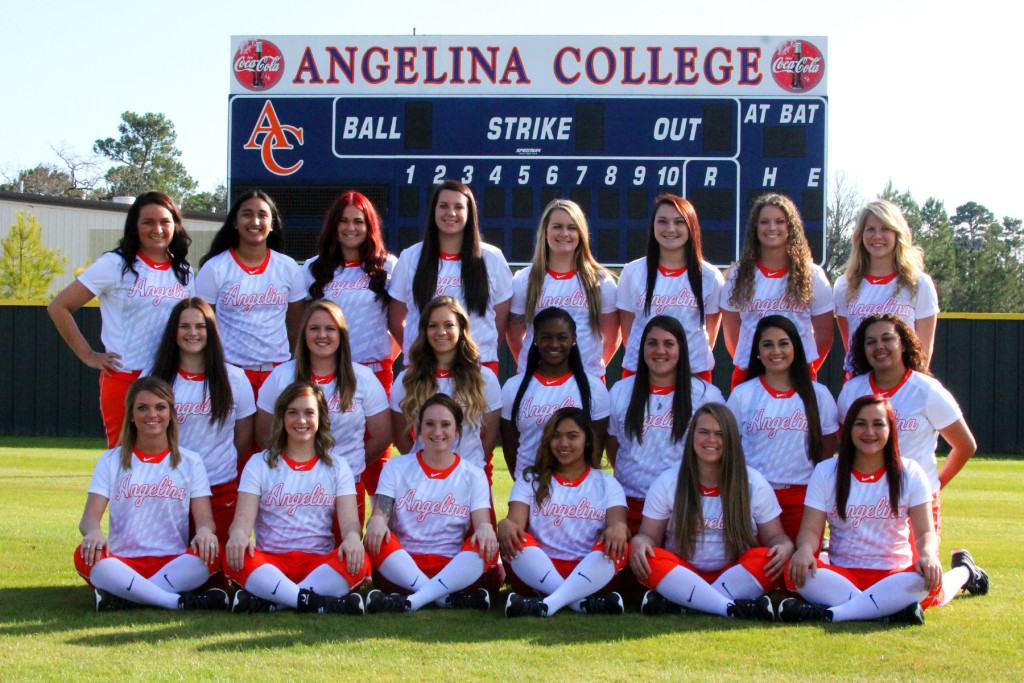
325,580
688,589
464,569
886,597
535,569
183,573
114,576
736,583
828,587
270,583
400,569
591,575
952,582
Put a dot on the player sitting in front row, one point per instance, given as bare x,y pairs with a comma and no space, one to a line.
151,486
708,518
430,532
868,495
290,493
565,534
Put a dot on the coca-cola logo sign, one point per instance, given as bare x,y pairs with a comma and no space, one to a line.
797,66
258,64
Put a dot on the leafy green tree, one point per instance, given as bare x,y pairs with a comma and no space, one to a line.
27,268
216,201
147,157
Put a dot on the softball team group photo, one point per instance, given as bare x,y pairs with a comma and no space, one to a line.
251,410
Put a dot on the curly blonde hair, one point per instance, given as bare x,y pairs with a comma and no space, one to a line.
799,289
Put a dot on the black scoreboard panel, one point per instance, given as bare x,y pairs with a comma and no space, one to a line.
613,156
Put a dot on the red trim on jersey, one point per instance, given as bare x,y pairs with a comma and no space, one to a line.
443,374
162,265
561,276
671,272
437,474
887,393
775,393
353,264
868,478
552,381
880,279
251,270
151,457
304,466
191,376
325,379
661,391
781,272
450,257
571,483
709,492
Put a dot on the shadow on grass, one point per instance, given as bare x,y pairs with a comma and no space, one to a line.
67,612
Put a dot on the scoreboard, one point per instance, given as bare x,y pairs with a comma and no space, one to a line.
609,122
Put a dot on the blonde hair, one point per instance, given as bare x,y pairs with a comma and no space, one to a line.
799,289
420,379
907,257
130,433
344,375
587,268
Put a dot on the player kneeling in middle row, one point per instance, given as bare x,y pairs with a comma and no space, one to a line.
565,534
697,547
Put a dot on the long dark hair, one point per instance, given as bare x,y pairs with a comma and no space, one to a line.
682,401
575,361
694,254
540,473
475,287
215,373
799,375
890,455
227,237
913,353
130,243
733,486
372,253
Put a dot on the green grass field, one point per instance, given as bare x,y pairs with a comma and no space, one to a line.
48,628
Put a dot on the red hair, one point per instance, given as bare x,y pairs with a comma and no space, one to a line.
372,253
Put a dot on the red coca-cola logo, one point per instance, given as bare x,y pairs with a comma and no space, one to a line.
798,66
258,64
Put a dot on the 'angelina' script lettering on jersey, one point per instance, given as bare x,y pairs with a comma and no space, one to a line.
422,508
855,514
897,308
528,410
192,408
581,510
271,297
574,300
334,405
335,287
157,294
796,422
665,421
138,493
768,306
905,424
449,286
293,501
661,302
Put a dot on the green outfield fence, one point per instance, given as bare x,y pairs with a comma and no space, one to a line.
46,391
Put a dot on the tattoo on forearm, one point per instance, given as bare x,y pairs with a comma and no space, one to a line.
517,318
385,504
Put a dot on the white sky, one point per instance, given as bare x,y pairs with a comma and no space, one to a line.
919,92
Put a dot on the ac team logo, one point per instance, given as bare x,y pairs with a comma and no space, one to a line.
258,64
797,66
